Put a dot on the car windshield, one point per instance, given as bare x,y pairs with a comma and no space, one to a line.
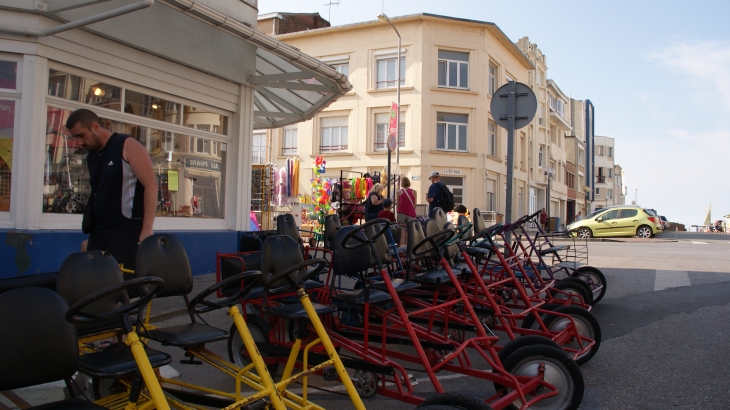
594,213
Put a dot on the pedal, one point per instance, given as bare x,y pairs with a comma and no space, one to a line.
190,360
330,374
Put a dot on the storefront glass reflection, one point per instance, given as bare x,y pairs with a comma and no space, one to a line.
7,130
84,90
8,75
190,181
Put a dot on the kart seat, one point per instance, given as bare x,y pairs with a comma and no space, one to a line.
44,352
553,249
400,285
187,334
331,225
296,310
440,275
118,361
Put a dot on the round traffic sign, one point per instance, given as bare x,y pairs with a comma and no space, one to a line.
525,104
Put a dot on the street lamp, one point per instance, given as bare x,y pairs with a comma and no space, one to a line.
382,17
549,172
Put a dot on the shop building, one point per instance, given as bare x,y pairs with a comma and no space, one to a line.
190,80
450,69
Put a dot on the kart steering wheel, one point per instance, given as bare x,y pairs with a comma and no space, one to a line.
320,262
485,235
436,240
462,231
360,242
208,305
76,315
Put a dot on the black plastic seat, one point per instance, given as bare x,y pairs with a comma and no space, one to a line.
331,225
286,225
187,334
553,249
41,280
400,285
37,344
296,310
164,256
258,291
118,361
357,297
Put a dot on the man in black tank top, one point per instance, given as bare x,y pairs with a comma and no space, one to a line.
124,186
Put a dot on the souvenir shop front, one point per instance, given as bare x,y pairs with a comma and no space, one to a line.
189,80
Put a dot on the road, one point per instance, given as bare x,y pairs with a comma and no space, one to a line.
665,321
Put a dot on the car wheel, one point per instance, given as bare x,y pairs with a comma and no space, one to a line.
644,231
585,233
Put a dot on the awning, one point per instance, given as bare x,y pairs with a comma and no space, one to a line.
289,85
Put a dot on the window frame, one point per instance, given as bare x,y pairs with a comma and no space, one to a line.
492,137
343,148
401,131
457,125
492,77
290,151
385,58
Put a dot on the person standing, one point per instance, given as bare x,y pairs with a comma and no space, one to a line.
578,217
543,219
374,202
433,196
406,202
124,187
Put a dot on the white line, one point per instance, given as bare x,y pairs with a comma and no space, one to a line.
699,243
666,279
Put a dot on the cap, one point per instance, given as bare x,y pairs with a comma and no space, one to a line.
434,174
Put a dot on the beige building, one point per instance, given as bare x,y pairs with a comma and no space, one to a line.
450,69
559,128
605,193
618,185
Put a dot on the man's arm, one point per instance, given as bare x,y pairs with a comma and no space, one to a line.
139,160
431,194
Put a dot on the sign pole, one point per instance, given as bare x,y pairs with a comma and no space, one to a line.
511,89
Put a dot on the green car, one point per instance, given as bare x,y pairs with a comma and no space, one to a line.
620,220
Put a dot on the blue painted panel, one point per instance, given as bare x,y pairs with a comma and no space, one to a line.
32,252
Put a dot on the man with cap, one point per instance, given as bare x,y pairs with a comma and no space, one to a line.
433,196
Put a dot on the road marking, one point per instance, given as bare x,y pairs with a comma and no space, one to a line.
666,279
699,243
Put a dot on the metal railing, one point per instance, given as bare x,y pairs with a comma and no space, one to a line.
601,179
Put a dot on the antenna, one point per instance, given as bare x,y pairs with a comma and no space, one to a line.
330,4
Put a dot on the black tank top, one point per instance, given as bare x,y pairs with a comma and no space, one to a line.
118,195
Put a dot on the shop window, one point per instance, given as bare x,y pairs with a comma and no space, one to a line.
205,120
382,122
8,75
151,107
197,162
84,90
7,131
451,131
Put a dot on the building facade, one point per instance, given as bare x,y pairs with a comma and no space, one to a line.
605,194
188,88
450,69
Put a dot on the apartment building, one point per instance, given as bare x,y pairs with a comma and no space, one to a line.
559,128
581,149
619,191
605,171
450,68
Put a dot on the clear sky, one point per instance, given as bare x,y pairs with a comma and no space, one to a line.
658,73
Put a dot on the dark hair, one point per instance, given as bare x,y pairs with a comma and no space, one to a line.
387,203
83,116
460,209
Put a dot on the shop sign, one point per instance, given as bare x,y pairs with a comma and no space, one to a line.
415,177
451,171
172,184
203,163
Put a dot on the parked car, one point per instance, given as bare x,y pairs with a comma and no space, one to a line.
620,220
665,222
655,214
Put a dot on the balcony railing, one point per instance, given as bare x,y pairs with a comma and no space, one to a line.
601,179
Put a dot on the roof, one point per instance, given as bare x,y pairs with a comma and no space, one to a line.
492,27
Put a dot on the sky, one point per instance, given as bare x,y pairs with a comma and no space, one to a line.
657,72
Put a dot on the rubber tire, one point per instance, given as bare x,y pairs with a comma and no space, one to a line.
556,357
590,233
580,289
587,317
452,401
651,232
255,324
599,275
100,387
530,320
520,342
586,287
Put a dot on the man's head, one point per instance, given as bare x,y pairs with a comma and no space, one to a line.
85,126
435,177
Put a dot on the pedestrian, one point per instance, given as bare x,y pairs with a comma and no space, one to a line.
123,196
543,219
433,196
374,202
406,199
387,211
578,217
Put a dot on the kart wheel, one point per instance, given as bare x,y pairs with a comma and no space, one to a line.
586,324
644,231
529,322
259,329
571,289
520,342
366,383
102,388
582,283
560,372
594,275
585,233
450,401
